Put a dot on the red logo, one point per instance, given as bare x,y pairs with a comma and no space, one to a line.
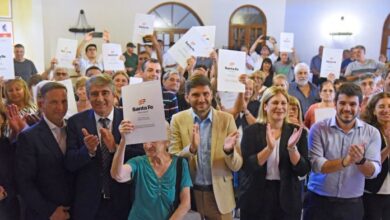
141,101
231,64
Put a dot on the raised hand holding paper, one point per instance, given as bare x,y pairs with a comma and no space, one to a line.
331,62
143,25
111,57
286,42
143,106
66,52
231,64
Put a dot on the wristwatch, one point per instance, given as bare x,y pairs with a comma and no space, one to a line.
361,162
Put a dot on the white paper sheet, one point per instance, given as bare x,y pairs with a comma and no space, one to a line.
324,113
111,57
66,52
228,99
143,25
286,42
231,64
331,62
6,58
190,44
135,80
143,106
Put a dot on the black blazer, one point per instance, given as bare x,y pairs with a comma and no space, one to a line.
374,185
253,175
88,181
42,180
9,207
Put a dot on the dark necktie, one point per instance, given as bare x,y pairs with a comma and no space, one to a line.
106,159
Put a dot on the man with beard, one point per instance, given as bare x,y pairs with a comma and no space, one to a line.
343,151
306,92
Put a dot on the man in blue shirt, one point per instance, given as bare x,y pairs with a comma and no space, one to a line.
208,138
302,89
343,151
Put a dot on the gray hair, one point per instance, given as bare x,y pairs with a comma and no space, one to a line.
169,73
100,80
300,66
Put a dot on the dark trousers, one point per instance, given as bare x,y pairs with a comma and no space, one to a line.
316,207
271,209
376,207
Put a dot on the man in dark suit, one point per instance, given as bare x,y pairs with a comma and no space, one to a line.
43,182
92,139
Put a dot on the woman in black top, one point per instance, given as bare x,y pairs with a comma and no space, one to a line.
275,154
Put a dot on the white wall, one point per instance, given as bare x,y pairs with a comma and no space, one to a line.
116,16
28,29
306,18
311,22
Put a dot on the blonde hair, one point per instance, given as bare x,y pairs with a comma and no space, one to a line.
267,95
259,74
81,81
295,102
26,91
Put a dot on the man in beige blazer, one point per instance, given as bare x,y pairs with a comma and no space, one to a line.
208,138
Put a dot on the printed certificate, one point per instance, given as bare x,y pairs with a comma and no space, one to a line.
231,64
286,42
66,52
143,25
111,57
143,106
190,44
331,62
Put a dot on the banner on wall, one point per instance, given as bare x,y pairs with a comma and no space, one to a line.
6,50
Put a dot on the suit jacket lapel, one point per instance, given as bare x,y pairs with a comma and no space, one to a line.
215,131
286,133
49,140
91,124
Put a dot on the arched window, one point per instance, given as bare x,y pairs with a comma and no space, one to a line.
385,48
246,24
172,21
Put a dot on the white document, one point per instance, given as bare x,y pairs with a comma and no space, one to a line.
207,33
7,69
324,113
228,99
143,106
143,25
231,64
286,42
135,80
66,52
111,57
190,44
331,62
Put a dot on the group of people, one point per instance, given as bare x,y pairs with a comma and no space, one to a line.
266,156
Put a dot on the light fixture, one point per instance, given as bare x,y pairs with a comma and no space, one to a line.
82,25
341,28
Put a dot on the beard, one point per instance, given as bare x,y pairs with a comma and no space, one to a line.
346,121
302,82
